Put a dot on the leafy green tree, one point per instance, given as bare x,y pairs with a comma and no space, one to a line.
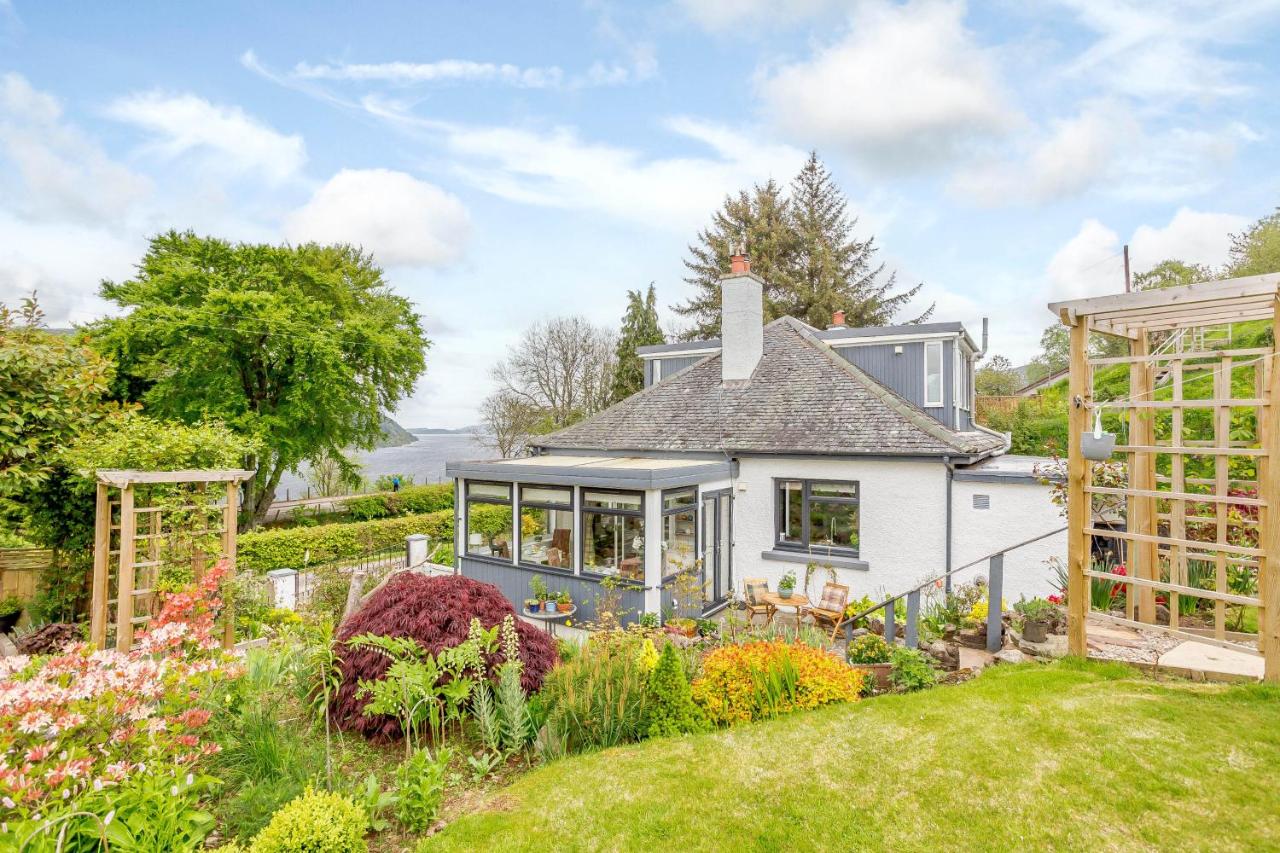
60,514
301,348
1171,273
761,219
673,711
51,391
1257,250
639,328
1055,353
802,245
997,378
831,269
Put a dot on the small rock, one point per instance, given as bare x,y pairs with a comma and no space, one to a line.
1054,646
1010,656
1162,614
876,625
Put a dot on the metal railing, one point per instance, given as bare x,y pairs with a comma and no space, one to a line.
995,592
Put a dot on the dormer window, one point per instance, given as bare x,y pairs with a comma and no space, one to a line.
933,373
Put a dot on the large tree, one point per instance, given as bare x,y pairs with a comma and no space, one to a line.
997,378
640,327
831,269
758,219
562,367
1055,353
1256,250
1171,273
802,244
51,390
301,348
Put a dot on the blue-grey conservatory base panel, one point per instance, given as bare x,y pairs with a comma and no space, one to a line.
513,581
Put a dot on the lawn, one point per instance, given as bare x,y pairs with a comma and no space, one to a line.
1069,756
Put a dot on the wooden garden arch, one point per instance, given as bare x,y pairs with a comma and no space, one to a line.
1167,357
126,548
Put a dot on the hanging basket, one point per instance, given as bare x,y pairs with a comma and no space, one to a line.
1098,447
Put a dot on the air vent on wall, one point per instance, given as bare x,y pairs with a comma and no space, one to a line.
982,501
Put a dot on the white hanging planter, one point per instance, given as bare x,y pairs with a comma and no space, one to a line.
1097,446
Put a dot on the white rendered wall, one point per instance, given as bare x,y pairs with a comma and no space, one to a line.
903,521
1019,511
741,326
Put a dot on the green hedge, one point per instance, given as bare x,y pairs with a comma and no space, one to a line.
411,500
295,547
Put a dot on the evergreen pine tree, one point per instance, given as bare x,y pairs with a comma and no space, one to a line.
831,269
639,328
760,217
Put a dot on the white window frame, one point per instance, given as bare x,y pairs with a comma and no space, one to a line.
962,379
657,371
942,393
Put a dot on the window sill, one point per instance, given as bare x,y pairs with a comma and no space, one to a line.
833,560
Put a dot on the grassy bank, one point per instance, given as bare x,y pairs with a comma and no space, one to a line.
1064,757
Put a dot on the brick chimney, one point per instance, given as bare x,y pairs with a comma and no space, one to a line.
741,320
837,320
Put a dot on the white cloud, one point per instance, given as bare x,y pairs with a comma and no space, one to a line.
56,171
1105,148
441,71
720,16
225,137
906,86
1192,236
557,168
1089,264
399,218
1165,51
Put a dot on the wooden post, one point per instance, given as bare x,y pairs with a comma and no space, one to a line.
1221,487
101,567
125,572
1143,556
1269,491
230,514
1177,508
1078,508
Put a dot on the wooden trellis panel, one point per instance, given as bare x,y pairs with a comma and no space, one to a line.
1177,521
129,547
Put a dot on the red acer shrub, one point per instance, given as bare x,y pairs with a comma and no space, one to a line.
437,612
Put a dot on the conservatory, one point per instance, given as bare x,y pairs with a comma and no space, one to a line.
634,523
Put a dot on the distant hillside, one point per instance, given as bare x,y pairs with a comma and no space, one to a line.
474,429
394,435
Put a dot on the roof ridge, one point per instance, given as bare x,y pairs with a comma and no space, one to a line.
916,416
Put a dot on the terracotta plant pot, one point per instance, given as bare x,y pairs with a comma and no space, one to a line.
878,671
564,607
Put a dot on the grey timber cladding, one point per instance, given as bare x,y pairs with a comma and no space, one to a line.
513,581
670,366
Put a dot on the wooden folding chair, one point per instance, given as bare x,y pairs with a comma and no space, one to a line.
830,607
752,590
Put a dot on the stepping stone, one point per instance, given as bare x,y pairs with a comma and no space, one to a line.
1203,661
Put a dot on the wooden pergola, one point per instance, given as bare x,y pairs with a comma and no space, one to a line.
1208,518
128,550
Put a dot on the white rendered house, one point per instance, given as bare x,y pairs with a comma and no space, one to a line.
777,446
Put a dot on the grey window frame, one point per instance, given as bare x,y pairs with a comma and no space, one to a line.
583,509
467,500
677,510
519,533
806,498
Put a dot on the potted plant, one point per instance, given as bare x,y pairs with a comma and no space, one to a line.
563,602
1036,615
531,605
872,654
787,585
538,589
10,612
683,625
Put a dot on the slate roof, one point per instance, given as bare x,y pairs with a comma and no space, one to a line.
802,398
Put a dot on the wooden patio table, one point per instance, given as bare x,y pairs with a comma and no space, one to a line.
799,601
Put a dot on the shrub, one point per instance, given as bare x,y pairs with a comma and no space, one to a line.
868,649
911,670
673,711
420,788
316,822
600,698
758,680
437,613
409,500
296,547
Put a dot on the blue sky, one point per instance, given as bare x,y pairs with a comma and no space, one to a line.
511,162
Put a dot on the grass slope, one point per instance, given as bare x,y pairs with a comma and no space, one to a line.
1069,756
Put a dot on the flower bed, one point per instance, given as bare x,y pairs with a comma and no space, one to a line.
759,680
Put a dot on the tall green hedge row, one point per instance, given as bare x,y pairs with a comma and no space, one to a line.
296,547
411,500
